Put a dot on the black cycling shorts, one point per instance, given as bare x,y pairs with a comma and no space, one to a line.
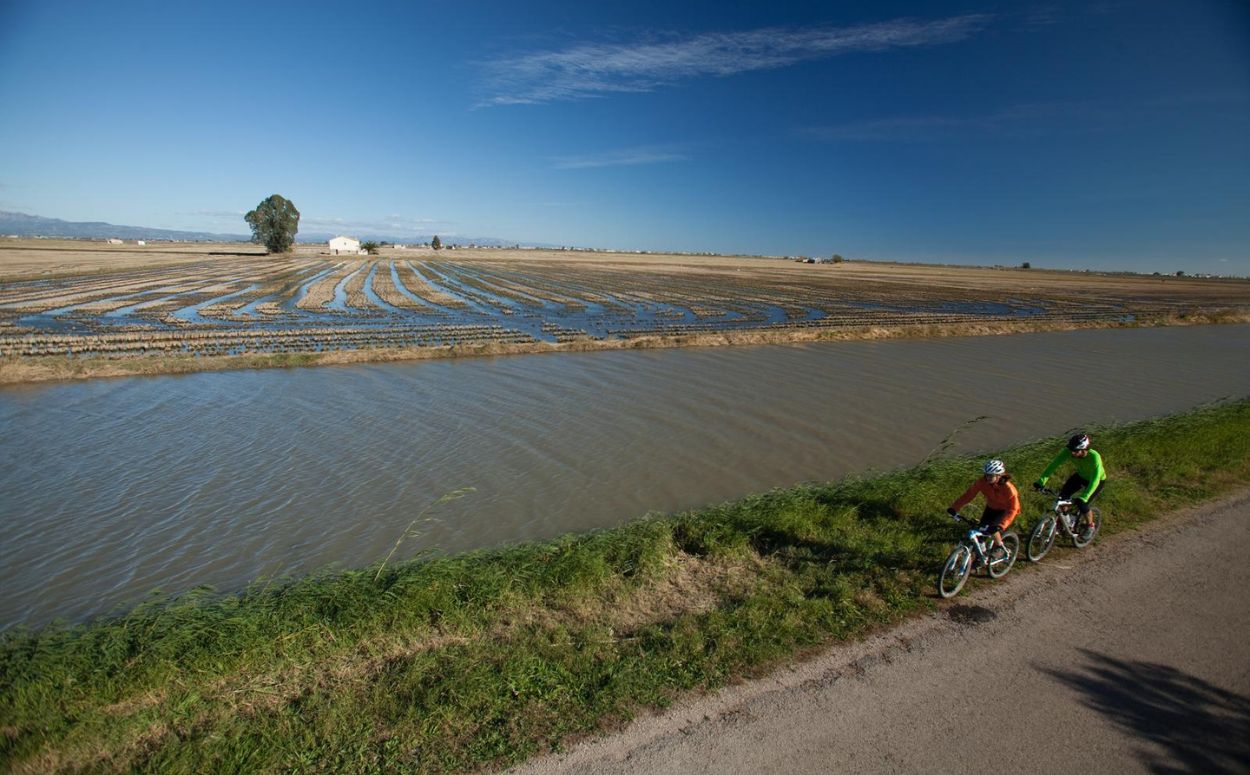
1075,484
992,520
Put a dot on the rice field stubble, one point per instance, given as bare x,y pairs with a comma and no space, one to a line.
200,310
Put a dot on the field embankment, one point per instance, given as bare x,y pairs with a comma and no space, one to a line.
486,658
23,369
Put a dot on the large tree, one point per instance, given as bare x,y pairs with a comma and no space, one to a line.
274,223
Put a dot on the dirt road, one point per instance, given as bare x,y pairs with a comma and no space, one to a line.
1132,656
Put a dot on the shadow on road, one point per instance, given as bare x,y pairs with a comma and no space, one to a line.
1200,727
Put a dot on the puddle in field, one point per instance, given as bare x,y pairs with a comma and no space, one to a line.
192,314
373,296
339,301
519,306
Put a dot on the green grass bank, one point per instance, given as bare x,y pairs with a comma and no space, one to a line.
455,663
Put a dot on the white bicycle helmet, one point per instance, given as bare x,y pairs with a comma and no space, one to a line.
1078,442
994,468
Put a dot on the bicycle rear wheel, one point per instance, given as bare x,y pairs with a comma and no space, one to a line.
1082,536
955,571
999,567
1042,537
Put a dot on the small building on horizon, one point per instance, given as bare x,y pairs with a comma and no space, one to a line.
345,246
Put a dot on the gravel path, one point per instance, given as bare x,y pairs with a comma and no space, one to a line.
1132,656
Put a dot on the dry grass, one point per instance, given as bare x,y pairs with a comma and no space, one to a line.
36,258
384,287
30,258
355,288
888,281
322,291
416,284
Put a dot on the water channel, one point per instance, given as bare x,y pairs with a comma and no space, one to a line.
112,488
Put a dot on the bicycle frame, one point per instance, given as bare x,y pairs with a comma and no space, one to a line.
1063,512
979,541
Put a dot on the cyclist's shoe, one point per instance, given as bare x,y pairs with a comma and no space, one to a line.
1087,531
999,553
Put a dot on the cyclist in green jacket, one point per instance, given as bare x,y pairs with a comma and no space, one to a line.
1084,485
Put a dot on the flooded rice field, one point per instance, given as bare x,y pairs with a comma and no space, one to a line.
230,305
113,488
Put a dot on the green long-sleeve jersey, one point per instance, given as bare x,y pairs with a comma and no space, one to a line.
1089,467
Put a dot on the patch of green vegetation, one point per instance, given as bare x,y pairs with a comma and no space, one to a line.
486,658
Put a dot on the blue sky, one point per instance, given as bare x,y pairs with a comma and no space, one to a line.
1085,134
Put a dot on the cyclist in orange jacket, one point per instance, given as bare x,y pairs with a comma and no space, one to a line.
1002,502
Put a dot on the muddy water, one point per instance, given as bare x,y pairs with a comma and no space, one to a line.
111,488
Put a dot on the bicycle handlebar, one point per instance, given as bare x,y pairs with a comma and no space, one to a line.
962,518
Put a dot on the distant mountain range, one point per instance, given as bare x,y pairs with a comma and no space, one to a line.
24,225
38,225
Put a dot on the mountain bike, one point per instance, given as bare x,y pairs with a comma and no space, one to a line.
975,551
1062,517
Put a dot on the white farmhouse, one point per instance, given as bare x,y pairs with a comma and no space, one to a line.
345,246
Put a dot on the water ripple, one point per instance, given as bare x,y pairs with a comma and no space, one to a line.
115,487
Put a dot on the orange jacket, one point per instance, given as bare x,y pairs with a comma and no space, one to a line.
997,496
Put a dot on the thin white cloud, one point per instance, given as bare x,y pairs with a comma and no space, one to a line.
388,224
1079,117
595,70
624,157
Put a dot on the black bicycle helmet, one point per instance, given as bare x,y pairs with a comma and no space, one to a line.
1078,442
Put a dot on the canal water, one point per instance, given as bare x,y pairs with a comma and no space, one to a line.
110,489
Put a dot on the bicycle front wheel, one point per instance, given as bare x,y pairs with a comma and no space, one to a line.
955,571
999,566
1083,536
1042,537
